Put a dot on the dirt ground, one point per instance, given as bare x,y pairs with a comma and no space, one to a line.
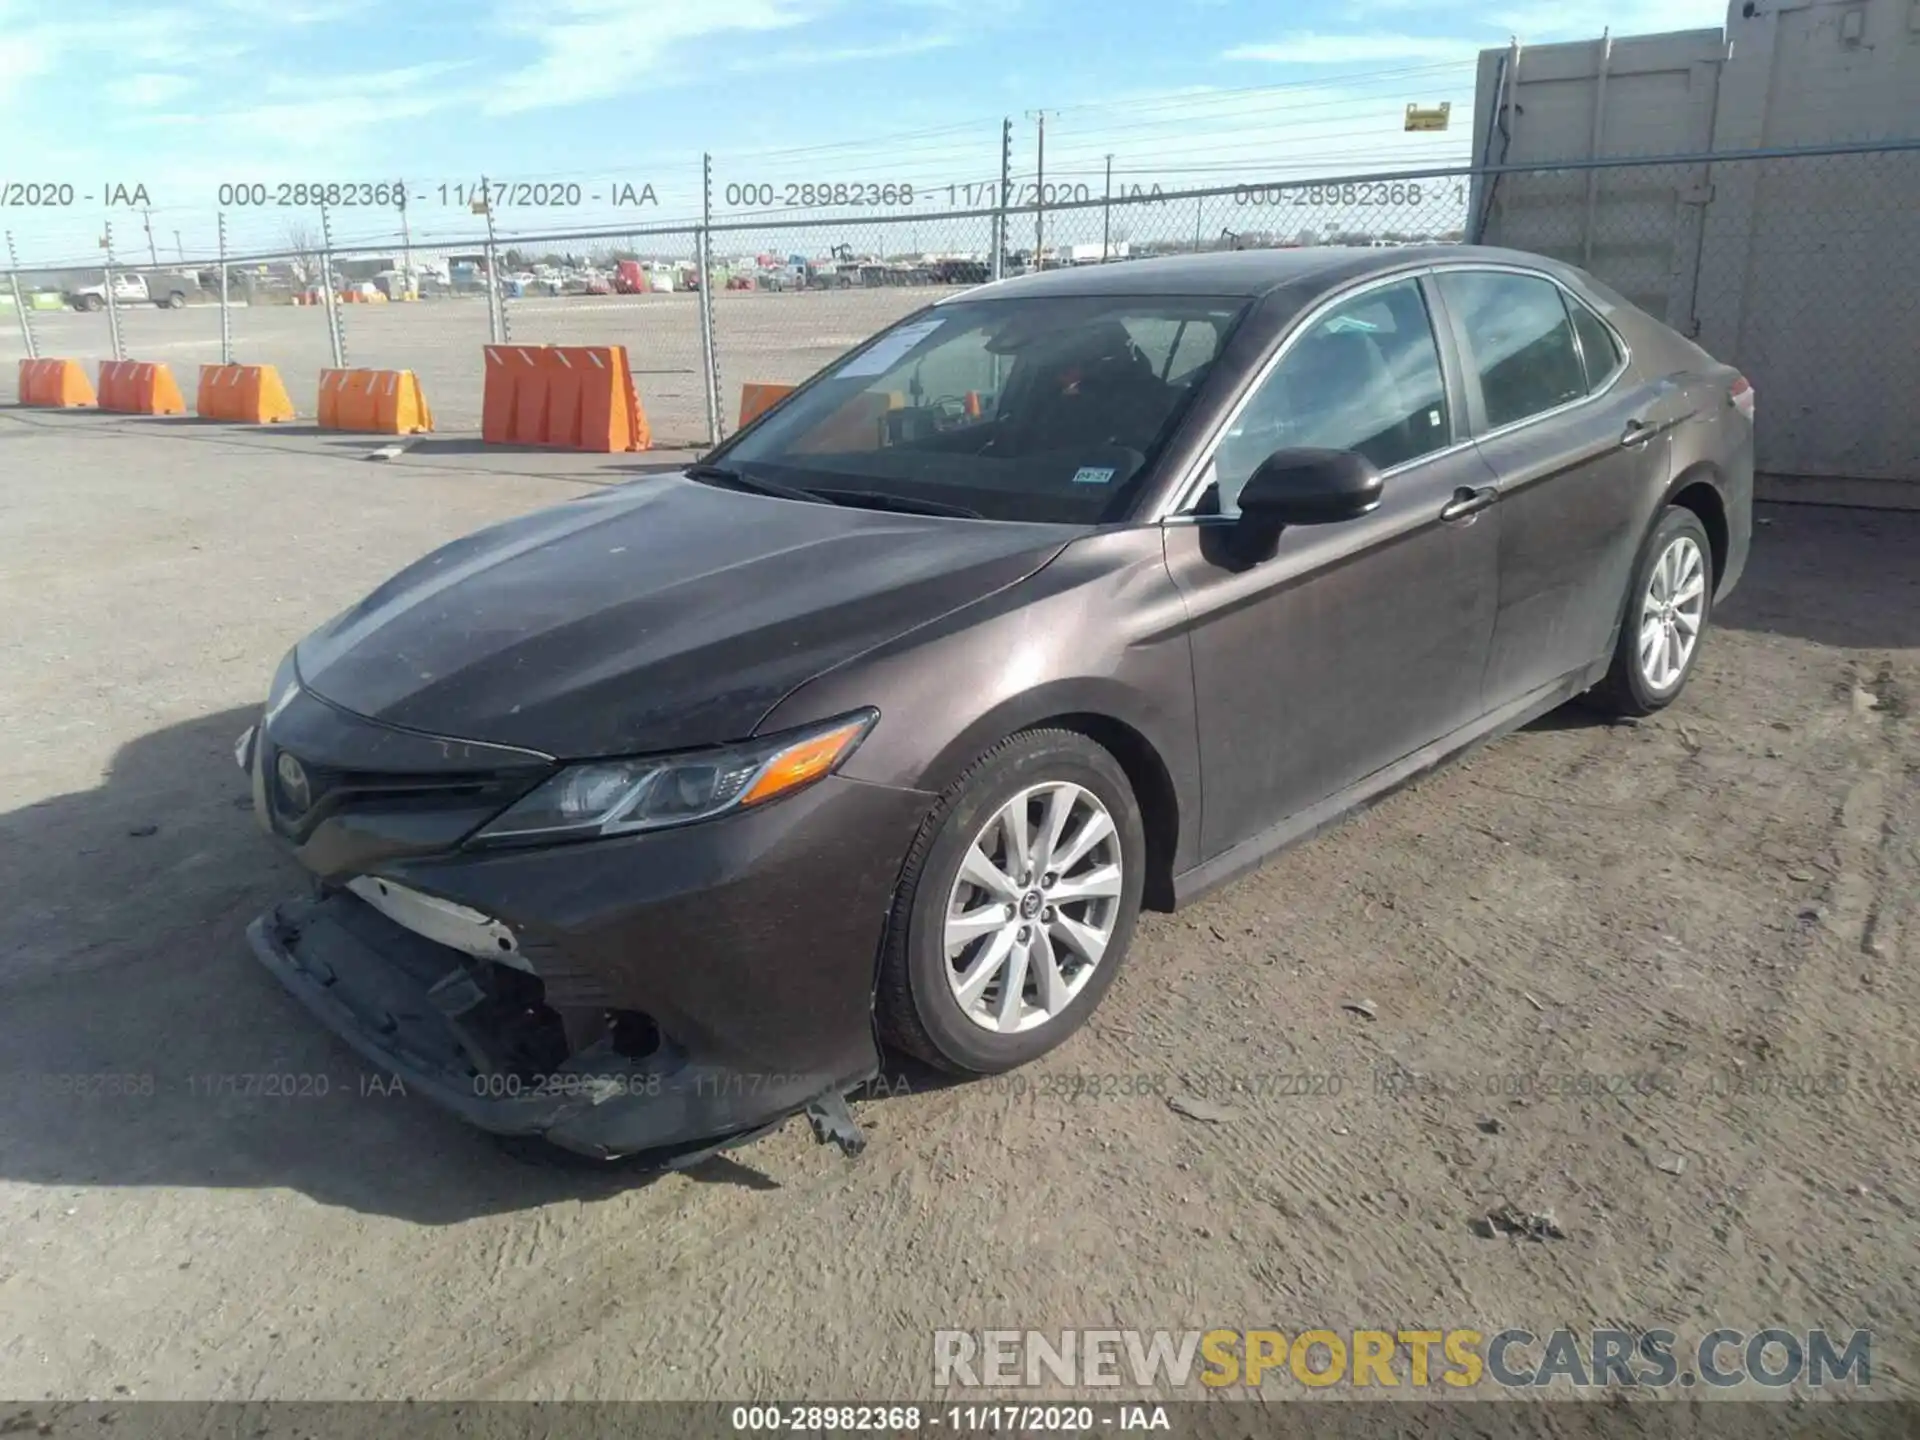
1656,980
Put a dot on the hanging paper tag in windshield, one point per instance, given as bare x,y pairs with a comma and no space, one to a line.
890,349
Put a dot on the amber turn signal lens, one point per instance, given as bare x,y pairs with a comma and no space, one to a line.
803,763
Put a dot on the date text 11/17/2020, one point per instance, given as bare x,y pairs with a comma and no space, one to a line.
986,194
396,195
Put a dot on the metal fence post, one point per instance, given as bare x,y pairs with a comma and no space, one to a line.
226,315
1106,216
1593,152
335,335
709,350
1000,204
496,298
1040,191
19,305
113,307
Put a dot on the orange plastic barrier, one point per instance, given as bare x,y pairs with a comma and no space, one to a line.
575,397
860,424
386,402
135,387
252,394
756,399
59,383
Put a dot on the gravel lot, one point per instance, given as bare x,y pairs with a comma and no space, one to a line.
766,336
1723,896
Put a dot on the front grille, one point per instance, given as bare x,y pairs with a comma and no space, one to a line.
332,791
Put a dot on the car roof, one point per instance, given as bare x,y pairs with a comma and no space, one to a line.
1245,273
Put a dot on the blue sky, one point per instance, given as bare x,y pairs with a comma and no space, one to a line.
184,98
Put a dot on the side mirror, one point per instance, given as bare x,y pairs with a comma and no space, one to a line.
1308,487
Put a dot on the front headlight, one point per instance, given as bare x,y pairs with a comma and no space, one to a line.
618,797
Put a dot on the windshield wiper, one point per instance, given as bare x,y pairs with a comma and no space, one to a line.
854,499
753,484
904,504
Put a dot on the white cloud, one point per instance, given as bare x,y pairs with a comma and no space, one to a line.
1533,21
1550,20
1309,48
147,90
361,85
596,49
802,57
25,55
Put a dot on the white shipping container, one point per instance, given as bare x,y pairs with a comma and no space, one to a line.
1791,268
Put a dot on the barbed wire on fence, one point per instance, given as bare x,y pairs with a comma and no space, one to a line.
775,293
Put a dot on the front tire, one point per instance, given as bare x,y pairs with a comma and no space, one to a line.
1668,607
1016,906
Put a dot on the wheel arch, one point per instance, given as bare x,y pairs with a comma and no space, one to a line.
1697,488
1153,791
1100,712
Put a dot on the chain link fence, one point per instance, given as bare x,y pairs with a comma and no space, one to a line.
1789,264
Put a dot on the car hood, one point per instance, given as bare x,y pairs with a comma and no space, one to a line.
654,616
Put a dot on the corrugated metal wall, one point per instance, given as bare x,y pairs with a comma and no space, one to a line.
1804,271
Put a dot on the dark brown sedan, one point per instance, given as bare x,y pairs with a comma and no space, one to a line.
642,823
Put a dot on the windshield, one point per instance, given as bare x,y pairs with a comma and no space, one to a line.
1045,409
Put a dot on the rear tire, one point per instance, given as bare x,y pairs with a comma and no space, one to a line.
1665,621
1052,918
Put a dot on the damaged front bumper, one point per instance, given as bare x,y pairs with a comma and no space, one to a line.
668,992
467,1034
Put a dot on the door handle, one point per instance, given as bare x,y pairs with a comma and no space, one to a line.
1467,501
1638,432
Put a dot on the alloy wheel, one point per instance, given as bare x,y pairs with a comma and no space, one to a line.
1671,613
1033,908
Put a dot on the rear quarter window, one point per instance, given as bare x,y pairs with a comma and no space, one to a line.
1598,348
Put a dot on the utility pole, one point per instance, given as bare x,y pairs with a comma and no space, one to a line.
1106,214
146,218
1039,117
1000,206
179,249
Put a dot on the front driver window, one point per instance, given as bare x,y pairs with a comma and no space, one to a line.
1365,376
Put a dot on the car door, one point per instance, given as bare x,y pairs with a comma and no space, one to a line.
1356,643
1579,442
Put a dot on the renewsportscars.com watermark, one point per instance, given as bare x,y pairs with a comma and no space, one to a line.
1457,1359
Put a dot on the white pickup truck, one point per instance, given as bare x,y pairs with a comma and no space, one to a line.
170,292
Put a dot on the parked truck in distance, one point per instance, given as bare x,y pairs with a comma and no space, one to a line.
169,290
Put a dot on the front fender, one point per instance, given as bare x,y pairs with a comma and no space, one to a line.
1100,635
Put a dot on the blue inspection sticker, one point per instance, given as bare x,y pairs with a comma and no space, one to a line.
1093,475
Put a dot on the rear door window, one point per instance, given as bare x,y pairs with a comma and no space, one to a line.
1519,341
